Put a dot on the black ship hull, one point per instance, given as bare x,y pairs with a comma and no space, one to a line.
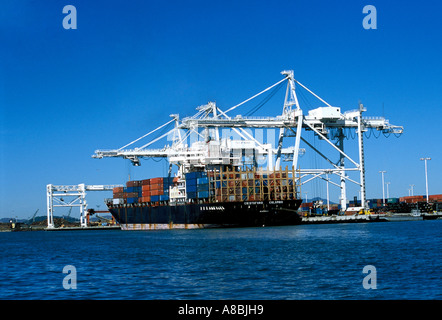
207,215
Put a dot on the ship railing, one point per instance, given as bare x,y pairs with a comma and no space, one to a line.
373,118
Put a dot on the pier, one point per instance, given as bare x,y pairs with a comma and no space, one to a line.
344,219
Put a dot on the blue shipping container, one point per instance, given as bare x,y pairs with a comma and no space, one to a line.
191,182
190,175
164,198
133,189
203,194
191,195
190,188
154,198
203,187
195,175
132,200
203,180
167,181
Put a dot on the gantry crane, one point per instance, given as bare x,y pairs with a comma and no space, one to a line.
200,140
33,217
71,196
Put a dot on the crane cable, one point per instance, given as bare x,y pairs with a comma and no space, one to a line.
265,100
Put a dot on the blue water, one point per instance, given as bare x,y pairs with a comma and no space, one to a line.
295,262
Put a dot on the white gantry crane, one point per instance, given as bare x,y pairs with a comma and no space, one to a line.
205,139
71,196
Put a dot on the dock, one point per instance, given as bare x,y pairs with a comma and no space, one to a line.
343,219
117,227
390,217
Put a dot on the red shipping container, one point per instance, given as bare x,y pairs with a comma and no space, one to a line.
118,189
156,192
145,193
130,184
156,186
145,182
130,195
133,183
156,181
306,204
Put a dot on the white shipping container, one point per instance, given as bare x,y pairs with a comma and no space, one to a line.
118,201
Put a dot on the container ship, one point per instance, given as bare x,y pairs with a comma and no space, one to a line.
228,173
214,198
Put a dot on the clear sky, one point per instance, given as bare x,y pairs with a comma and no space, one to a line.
129,64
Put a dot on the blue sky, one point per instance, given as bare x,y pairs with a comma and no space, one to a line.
65,93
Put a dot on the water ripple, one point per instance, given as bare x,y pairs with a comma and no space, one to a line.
299,262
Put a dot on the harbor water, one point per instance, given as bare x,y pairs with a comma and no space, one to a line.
301,262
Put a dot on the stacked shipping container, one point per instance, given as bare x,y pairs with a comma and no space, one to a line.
159,189
250,185
149,190
197,185
415,199
145,191
306,207
435,197
214,186
412,199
